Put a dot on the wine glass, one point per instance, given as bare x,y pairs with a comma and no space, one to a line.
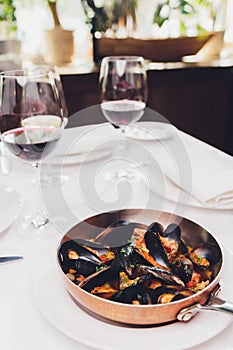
48,176
123,82
32,120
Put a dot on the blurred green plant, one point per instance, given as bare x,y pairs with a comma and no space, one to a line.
111,14
97,17
184,8
7,13
104,17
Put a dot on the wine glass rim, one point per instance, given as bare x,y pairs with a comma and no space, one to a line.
124,58
25,72
28,127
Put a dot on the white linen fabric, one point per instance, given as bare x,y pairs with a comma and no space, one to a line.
211,173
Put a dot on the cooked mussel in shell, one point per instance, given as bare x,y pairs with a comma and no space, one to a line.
117,234
182,267
154,245
205,255
137,264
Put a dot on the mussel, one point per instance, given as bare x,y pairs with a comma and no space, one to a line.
166,293
160,274
73,250
131,263
205,255
172,234
117,234
154,245
102,283
182,267
123,259
137,294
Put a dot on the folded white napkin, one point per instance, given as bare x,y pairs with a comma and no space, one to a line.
208,176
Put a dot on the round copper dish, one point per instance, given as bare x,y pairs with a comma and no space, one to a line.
192,233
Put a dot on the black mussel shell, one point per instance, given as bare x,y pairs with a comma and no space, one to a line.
86,267
154,245
117,235
136,293
173,232
102,236
182,248
156,227
97,249
121,297
208,251
160,274
123,259
98,279
72,246
83,266
183,267
164,290
68,265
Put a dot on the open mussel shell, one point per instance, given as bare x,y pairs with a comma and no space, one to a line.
192,234
183,267
205,255
154,245
72,249
117,234
173,232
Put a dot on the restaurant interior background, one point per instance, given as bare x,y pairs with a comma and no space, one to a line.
194,92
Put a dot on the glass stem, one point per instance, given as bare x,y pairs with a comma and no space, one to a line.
40,219
122,146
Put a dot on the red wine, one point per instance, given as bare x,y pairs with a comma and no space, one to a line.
31,143
13,121
122,112
14,114
9,121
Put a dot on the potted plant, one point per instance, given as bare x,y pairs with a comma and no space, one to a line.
8,25
59,41
166,43
9,44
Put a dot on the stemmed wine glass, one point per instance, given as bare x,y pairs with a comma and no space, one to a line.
48,176
123,82
31,116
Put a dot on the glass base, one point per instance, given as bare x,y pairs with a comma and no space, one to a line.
39,221
35,227
55,180
123,175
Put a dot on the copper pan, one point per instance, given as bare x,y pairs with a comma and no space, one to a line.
181,310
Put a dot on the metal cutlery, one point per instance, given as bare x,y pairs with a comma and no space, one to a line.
7,259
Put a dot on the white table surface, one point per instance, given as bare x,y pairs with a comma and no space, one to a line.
22,325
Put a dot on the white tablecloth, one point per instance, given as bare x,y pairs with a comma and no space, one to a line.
86,193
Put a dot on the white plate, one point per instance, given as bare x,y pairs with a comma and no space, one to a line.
10,205
63,313
150,131
72,159
84,144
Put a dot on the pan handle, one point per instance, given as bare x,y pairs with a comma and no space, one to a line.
218,304
214,303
